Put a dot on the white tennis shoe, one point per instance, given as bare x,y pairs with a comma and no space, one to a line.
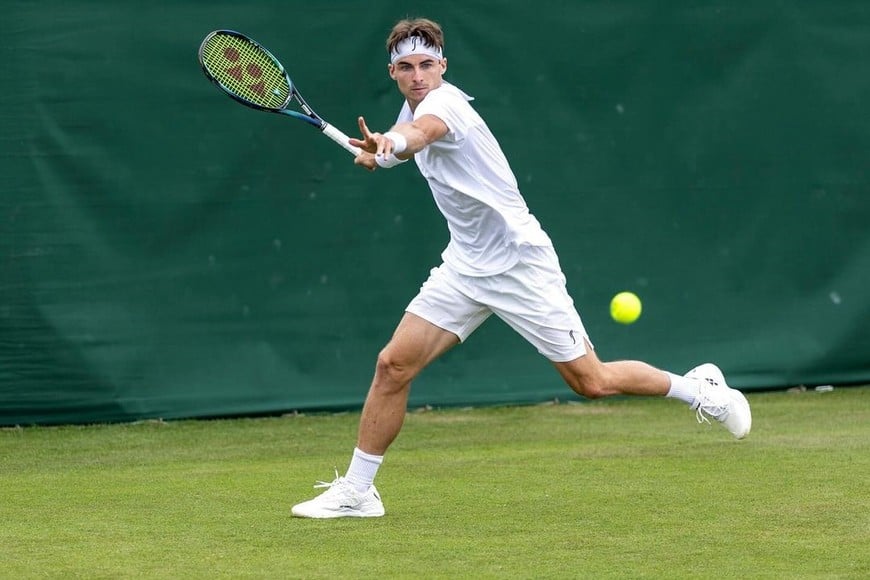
718,401
341,500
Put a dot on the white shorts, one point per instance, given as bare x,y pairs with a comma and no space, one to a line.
531,297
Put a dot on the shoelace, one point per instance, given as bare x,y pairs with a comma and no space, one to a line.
328,484
698,415
339,490
708,409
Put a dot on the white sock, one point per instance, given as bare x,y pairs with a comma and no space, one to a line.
683,389
362,470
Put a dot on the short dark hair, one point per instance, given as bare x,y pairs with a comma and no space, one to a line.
429,30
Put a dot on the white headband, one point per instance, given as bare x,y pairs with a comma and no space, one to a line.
411,46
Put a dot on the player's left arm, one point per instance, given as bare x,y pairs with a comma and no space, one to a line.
416,135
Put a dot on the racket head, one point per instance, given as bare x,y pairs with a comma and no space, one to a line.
245,70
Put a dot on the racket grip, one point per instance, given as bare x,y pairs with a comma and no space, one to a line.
339,138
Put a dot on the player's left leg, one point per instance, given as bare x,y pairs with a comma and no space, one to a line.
533,299
593,379
703,388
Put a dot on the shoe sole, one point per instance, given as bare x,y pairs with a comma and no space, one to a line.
335,515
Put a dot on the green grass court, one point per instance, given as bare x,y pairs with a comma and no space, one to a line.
624,488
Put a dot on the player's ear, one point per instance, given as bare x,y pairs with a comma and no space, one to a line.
443,65
392,70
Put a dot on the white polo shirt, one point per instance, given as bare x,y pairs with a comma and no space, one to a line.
474,188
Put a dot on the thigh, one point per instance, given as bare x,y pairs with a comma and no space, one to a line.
445,300
587,368
532,298
416,342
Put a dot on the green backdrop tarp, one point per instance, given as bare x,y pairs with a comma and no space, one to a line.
165,252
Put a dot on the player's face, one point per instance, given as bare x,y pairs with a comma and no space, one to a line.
416,75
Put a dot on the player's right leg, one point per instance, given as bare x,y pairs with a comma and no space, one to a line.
439,317
415,343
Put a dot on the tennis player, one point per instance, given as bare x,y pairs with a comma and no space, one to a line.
498,261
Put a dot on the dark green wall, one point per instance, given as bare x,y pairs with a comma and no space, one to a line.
165,252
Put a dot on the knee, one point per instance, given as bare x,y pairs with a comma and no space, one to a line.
391,372
587,387
587,376
587,380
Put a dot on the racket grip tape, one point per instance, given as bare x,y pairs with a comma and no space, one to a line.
339,138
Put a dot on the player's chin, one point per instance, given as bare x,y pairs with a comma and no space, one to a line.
417,94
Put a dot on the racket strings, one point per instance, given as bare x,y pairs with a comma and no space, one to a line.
246,70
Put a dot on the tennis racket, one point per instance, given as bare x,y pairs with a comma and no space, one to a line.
251,75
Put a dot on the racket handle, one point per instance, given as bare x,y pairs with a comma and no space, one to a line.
339,138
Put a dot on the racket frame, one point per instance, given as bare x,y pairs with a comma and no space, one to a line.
307,115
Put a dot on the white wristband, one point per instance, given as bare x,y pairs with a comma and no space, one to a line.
387,162
399,141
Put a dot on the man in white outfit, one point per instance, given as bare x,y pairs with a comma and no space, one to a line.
498,260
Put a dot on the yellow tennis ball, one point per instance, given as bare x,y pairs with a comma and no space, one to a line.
625,307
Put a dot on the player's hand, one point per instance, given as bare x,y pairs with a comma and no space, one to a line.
368,142
372,142
365,159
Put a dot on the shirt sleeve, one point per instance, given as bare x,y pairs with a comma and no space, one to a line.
449,107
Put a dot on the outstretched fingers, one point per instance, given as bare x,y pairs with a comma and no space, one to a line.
368,141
